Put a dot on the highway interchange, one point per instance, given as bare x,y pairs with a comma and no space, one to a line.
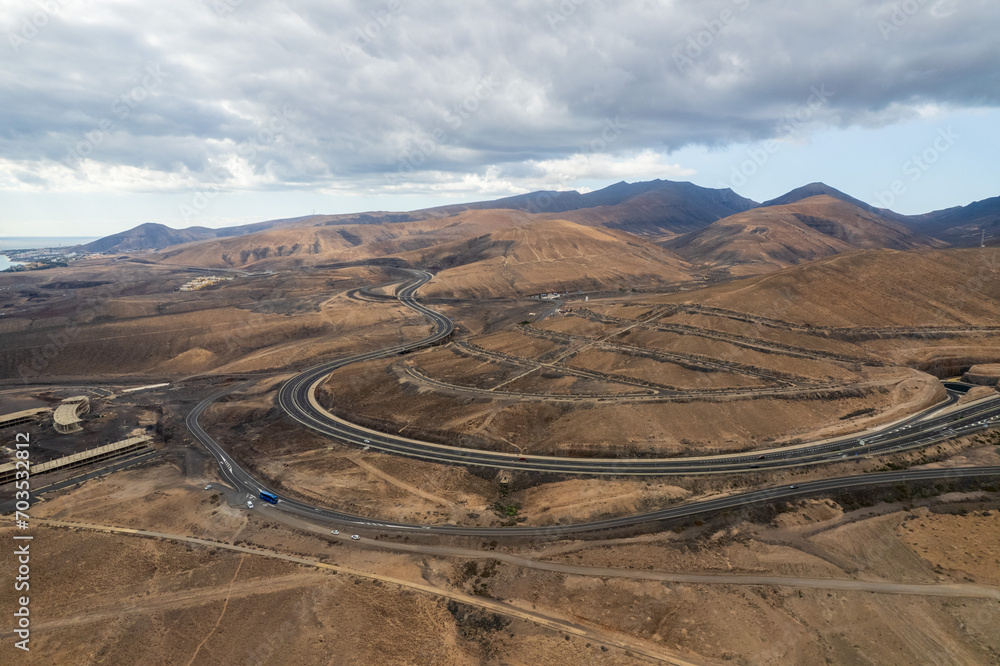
297,399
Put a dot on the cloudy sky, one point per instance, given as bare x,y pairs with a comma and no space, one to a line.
215,112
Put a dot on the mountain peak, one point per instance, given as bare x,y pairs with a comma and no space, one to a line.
777,236
812,190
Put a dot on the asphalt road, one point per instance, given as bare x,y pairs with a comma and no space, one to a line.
243,482
84,474
296,398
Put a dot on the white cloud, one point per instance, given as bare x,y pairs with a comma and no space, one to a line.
560,174
555,86
645,165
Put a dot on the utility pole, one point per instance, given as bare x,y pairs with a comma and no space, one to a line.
982,243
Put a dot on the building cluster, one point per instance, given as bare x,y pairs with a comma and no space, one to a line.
39,254
551,296
202,282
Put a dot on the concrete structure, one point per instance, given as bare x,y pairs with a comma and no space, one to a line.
143,388
67,417
125,447
22,417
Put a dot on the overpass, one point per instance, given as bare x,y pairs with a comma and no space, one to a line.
22,417
120,449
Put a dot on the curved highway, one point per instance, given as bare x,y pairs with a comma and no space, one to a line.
297,398
243,482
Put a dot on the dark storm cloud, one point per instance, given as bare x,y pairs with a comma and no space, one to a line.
368,94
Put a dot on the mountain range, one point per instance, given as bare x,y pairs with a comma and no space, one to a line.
777,236
658,231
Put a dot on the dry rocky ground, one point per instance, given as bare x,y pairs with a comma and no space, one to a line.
124,599
393,488
571,384
128,319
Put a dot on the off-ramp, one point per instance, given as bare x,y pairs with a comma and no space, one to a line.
297,398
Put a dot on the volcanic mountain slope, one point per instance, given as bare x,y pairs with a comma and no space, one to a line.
149,236
660,207
657,207
963,226
486,253
875,288
774,237
818,189
960,226
315,244
152,236
547,255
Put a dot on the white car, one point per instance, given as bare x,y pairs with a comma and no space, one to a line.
335,532
355,537
249,504
368,441
208,487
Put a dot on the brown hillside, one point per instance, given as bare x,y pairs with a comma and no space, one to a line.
547,255
879,288
662,212
769,238
653,208
481,253
311,245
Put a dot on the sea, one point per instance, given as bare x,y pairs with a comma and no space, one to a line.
36,242
6,263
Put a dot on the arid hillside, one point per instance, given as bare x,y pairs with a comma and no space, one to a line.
658,208
151,236
479,253
877,288
544,256
93,318
332,242
652,208
836,345
963,226
768,238
880,577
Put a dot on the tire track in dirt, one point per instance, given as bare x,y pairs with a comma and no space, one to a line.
565,626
